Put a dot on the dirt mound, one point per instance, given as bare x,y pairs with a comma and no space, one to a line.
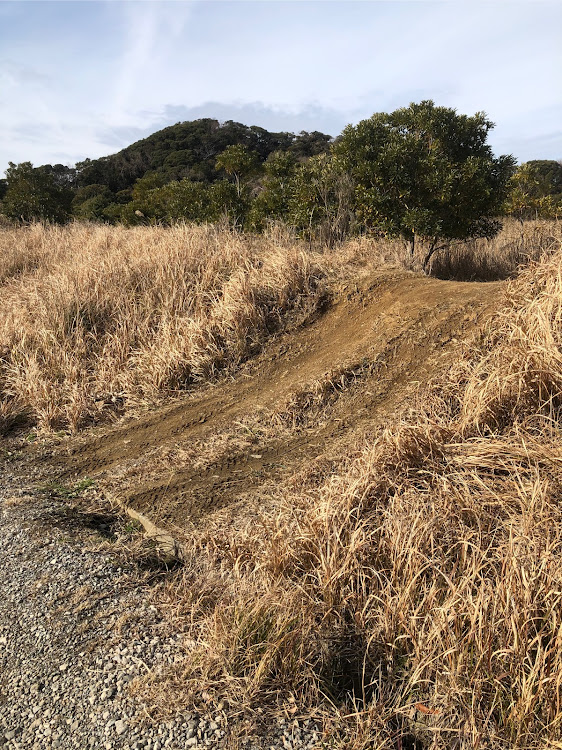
362,356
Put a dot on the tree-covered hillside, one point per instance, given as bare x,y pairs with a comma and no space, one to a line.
201,156
188,150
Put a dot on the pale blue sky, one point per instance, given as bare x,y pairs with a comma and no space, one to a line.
82,79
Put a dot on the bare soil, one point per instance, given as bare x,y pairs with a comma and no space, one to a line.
386,335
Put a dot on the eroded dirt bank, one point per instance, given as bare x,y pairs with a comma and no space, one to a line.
348,369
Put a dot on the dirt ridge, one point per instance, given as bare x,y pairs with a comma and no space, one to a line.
395,328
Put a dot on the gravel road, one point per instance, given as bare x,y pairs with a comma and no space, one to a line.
76,628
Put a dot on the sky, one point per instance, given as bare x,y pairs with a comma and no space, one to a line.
85,79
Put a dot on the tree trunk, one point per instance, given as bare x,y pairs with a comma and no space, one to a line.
412,245
433,248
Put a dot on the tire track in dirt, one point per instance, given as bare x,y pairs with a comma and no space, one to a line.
396,329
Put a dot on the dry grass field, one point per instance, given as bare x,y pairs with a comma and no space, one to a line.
93,318
405,590
96,320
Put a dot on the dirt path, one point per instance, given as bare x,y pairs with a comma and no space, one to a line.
393,331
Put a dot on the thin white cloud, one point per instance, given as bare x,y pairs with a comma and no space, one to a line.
139,42
14,74
93,77
151,30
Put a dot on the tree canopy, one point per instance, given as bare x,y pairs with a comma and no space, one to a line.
188,150
239,163
536,190
35,194
425,171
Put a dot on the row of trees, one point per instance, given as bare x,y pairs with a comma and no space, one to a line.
422,172
536,191
97,189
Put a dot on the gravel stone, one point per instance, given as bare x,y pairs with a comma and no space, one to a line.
75,630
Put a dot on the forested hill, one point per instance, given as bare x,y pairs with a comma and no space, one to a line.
423,172
188,150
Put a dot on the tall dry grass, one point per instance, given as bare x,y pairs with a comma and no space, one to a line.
501,257
415,593
413,590
94,319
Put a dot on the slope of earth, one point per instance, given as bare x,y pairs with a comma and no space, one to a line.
309,390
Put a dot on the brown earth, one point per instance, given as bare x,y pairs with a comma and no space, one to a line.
364,354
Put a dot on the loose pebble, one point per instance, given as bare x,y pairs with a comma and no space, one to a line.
74,633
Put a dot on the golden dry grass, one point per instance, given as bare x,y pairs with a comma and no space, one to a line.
95,319
414,594
501,257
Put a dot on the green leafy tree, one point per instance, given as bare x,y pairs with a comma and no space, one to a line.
225,203
535,191
280,165
146,204
145,185
35,195
426,172
272,201
90,202
184,201
307,144
547,174
63,176
239,163
321,202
